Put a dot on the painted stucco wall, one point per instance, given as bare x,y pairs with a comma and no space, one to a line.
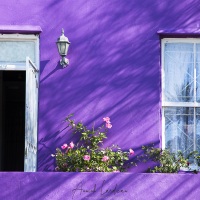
114,65
98,186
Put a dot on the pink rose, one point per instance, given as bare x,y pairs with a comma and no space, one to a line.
57,169
64,146
105,158
108,125
131,152
71,145
106,119
86,157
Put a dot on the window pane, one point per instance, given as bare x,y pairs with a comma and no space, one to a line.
198,71
198,128
179,129
16,52
179,72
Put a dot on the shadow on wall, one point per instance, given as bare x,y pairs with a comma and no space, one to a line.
114,71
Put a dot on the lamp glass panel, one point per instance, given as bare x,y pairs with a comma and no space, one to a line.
63,48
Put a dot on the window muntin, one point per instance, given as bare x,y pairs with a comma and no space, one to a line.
181,94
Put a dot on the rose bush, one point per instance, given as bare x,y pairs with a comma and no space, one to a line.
89,155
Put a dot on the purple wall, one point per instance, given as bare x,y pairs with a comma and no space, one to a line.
111,186
114,65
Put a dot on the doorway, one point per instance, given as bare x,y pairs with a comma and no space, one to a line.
12,120
19,83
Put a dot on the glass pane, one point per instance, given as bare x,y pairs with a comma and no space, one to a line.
179,72
16,52
179,129
198,71
198,129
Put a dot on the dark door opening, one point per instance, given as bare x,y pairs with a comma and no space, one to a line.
12,120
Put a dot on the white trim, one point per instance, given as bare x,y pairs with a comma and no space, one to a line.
195,97
162,92
163,130
180,104
162,70
31,126
180,40
20,37
12,67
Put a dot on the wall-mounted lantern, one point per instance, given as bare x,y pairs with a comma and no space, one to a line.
63,45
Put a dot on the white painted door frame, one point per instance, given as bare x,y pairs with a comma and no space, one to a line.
31,104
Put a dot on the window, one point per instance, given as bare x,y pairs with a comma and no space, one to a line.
181,94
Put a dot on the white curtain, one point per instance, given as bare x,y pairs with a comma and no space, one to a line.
198,96
198,129
179,87
179,72
179,129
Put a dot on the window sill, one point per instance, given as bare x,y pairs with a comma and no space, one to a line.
192,168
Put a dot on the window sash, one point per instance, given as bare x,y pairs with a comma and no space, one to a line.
180,126
179,72
196,77
178,104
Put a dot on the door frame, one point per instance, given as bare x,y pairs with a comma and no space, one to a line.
14,66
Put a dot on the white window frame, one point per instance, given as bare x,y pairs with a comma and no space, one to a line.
176,104
12,66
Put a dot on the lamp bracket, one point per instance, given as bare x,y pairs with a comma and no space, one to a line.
64,62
